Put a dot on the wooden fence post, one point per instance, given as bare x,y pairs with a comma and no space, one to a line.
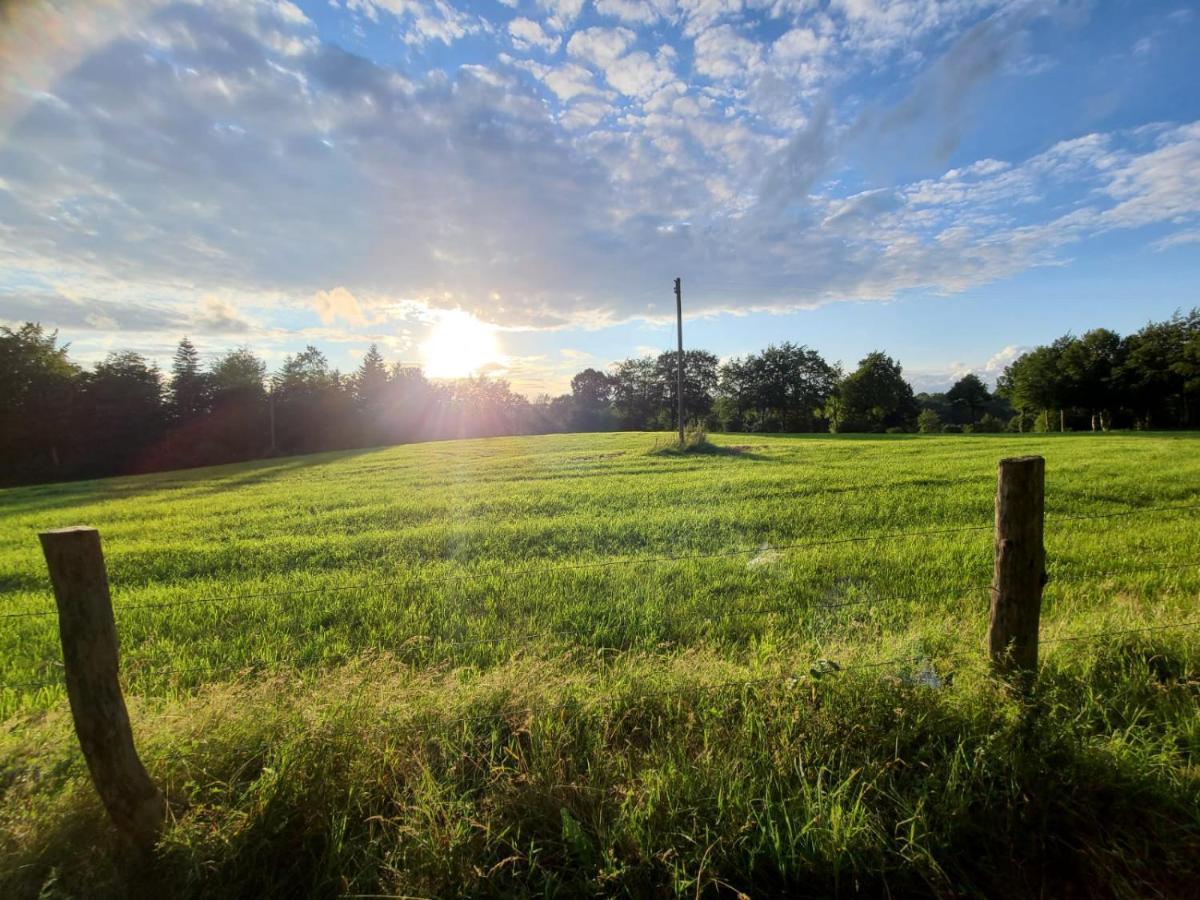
89,643
1020,567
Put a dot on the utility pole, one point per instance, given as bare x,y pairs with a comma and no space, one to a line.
679,373
271,409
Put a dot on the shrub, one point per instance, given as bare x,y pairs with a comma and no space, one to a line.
928,422
988,424
1022,422
952,429
896,429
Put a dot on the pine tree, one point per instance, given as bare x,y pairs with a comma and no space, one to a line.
189,386
371,379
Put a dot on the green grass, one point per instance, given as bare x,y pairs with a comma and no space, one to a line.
545,666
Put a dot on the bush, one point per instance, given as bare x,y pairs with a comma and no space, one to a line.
928,422
988,424
1022,422
896,429
952,429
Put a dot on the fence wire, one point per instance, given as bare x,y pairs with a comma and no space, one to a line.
818,669
417,579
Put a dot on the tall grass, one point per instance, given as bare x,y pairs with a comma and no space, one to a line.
514,699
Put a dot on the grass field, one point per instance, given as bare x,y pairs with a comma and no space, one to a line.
567,664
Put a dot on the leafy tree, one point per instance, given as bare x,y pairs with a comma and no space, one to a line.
1153,382
928,422
308,400
239,425
238,373
700,380
638,394
1089,367
591,400
784,388
971,393
988,424
875,396
484,407
413,405
39,391
1035,380
125,413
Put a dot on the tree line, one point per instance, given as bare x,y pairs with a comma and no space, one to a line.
59,420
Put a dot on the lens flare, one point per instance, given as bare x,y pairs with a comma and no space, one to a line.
460,345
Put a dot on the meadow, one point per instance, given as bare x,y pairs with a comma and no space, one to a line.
567,665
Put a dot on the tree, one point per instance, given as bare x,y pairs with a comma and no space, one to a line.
1153,381
485,407
638,395
309,412
928,422
239,425
39,388
591,400
189,396
876,397
1035,381
125,413
784,388
413,405
370,388
700,380
1089,368
970,393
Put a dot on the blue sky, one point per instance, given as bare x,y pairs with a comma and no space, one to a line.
948,180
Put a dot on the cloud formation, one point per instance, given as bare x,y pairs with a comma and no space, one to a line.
228,149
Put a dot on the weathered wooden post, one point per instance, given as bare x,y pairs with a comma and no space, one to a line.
1019,572
89,642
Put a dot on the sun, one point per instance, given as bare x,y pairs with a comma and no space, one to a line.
459,345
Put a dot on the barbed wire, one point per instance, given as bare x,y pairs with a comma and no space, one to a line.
817,669
434,642
801,605
595,564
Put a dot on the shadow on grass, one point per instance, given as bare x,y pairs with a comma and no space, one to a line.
855,784
180,484
707,448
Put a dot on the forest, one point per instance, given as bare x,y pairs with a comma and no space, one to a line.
60,420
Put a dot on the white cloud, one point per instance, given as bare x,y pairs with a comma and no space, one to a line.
639,74
338,303
635,12
600,46
306,181
721,53
527,34
422,20
567,81
1178,239
562,12
700,14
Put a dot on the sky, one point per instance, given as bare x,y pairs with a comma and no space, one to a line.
510,187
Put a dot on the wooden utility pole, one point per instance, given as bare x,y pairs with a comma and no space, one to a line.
1020,567
89,643
679,373
271,409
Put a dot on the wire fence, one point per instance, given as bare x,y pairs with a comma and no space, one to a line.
526,571
926,674
593,633
1014,596
599,631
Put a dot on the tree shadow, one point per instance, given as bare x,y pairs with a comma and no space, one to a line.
181,484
